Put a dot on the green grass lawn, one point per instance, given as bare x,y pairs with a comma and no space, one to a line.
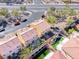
55,45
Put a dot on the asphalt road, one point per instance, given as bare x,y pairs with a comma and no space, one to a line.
37,11
34,16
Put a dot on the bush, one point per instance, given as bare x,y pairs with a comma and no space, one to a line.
71,30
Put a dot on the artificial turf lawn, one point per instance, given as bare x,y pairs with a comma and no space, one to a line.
43,54
55,45
47,51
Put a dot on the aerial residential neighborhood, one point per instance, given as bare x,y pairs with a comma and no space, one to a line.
39,29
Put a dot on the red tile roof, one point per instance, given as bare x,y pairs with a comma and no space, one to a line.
58,55
42,24
29,34
72,48
10,45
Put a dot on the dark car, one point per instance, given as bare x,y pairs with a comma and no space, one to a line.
24,20
3,25
2,29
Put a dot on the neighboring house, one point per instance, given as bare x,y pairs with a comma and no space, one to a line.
9,45
71,48
58,55
40,26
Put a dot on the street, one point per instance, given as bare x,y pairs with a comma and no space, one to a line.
37,11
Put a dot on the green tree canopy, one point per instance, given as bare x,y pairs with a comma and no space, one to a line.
51,11
67,1
51,19
69,20
15,12
4,11
71,30
68,11
24,53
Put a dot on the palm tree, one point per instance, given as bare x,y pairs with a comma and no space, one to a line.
51,19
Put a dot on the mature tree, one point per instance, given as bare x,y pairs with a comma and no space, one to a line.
4,11
15,12
24,53
72,12
51,11
51,19
68,11
67,1
69,20
71,30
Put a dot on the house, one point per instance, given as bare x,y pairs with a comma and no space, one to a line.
58,55
9,45
71,48
27,35
40,26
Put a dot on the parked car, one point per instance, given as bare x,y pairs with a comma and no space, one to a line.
3,25
24,20
2,29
